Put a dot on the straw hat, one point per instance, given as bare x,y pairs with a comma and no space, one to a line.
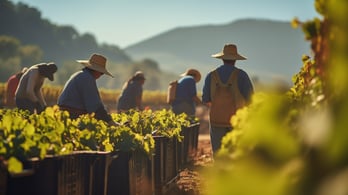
193,72
139,75
24,69
96,62
229,53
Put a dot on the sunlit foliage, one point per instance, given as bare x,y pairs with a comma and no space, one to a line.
294,142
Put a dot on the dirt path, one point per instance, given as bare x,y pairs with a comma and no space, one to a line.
189,181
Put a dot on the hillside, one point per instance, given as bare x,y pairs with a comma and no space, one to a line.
273,48
59,43
29,39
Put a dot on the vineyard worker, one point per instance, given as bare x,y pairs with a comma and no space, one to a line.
132,91
80,94
186,93
28,95
225,90
11,87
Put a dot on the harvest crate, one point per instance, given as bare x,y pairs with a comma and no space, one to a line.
98,170
140,174
118,176
165,170
130,173
78,173
3,179
188,147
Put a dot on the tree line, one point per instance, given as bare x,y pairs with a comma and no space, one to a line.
29,39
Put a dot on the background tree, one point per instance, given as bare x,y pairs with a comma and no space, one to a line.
35,40
14,56
30,54
9,47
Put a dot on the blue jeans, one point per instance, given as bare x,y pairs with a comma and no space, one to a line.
216,135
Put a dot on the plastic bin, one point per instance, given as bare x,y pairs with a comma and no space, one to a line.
118,174
97,171
165,170
195,134
37,177
189,145
3,179
130,173
82,173
190,142
140,174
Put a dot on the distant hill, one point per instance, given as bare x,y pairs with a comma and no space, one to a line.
24,27
273,48
59,43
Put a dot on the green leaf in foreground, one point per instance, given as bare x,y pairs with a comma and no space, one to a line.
14,165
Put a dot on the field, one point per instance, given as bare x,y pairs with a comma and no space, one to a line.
286,141
154,100
188,180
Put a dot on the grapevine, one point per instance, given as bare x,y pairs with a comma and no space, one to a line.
294,142
25,136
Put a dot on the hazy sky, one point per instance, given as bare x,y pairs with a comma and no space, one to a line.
125,22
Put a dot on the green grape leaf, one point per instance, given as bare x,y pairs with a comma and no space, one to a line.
49,112
29,130
14,165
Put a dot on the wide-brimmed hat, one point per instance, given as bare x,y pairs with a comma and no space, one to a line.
96,62
24,69
229,53
138,75
47,70
193,72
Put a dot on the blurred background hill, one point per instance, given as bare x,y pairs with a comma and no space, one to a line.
273,48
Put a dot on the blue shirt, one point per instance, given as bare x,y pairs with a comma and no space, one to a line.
185,90
81,92
244,83
127,99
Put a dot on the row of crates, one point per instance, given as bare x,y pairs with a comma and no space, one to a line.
105,173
